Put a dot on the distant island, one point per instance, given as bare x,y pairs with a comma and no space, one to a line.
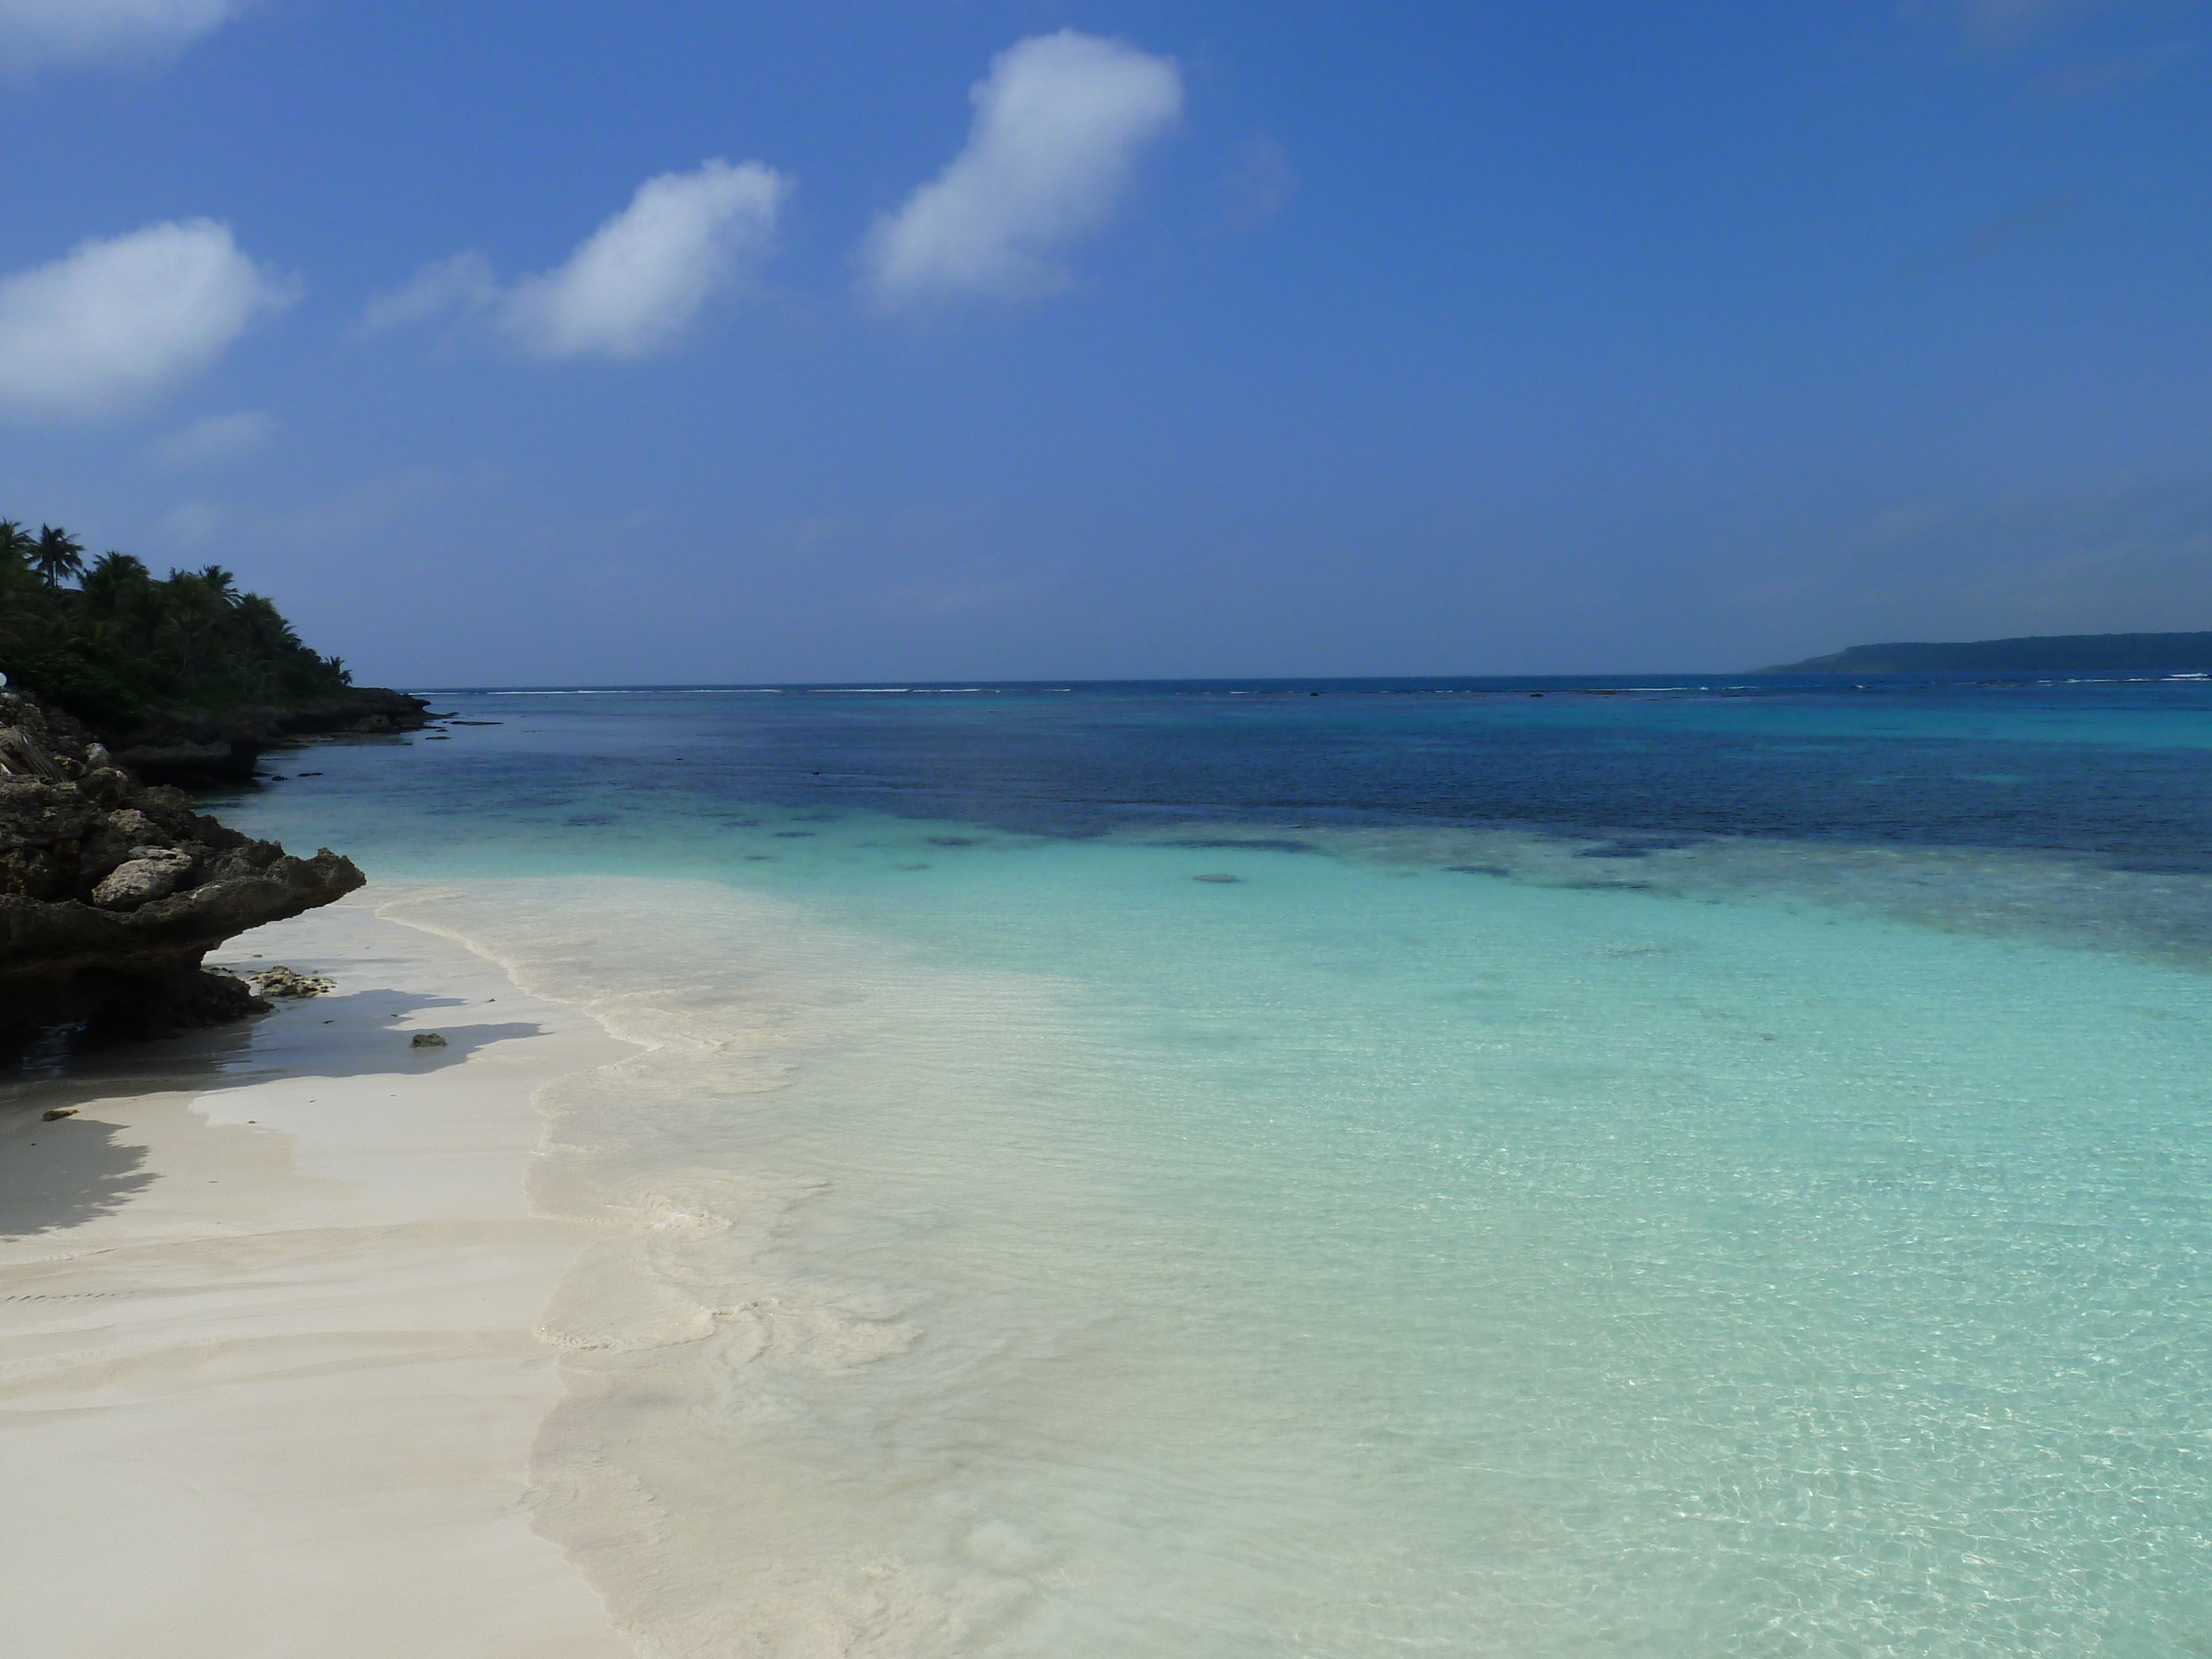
2173,653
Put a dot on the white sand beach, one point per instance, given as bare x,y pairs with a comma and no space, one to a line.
269,1369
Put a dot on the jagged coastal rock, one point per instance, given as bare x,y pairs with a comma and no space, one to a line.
112,890
197,749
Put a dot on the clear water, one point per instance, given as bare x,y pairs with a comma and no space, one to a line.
1686,1172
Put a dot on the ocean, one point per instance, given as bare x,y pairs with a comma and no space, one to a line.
1671,1168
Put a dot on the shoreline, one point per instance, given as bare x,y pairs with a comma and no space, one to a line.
269,1304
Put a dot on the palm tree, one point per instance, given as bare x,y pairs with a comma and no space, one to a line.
189,619
15,583
15,562
55,554
262,627
109,626
111,576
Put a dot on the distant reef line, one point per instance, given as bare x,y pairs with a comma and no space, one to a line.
2173,653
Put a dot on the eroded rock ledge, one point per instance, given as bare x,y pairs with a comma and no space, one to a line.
197,749
113,890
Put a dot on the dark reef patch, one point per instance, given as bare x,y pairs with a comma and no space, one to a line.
1255,844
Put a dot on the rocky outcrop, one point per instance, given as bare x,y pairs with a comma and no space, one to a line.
290,984
199,749
112,890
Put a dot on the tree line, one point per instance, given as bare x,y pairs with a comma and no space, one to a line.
111,643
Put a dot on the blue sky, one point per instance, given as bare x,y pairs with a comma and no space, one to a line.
558,342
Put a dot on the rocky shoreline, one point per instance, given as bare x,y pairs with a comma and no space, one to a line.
198,750
112,890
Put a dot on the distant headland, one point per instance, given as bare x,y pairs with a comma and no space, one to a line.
2173,652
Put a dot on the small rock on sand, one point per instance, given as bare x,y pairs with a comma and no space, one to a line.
289,982
427,1040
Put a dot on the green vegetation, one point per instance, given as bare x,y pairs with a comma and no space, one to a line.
120,643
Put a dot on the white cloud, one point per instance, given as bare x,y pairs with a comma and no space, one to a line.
1058,126
635,284
37,33
214,439
639,279
113,323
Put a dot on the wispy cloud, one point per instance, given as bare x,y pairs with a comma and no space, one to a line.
36,33
1059,123
2134,558
1999,24
213,438
1997,235
2090,77
635,285
113,324
191,523
463,284
1258,182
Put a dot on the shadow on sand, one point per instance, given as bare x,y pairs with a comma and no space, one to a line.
60,1173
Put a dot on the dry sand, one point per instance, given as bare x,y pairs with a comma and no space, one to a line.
268,1372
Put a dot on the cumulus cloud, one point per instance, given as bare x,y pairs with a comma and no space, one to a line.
35,33
1059,123
214,439
635,283
638,281
113,324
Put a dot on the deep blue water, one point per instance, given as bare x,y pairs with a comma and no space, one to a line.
2118,770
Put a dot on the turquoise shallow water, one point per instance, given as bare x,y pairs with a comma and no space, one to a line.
1454,1235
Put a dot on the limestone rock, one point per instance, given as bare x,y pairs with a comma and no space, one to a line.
23,756
151,873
